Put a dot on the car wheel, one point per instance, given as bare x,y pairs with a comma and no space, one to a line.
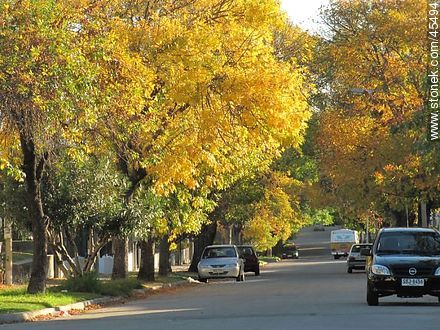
349,270
336,257
204,280
372,297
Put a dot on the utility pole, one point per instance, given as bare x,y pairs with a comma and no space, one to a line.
368,230
8,251
406,210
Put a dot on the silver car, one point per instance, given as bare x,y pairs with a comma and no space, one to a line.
220,261
355,260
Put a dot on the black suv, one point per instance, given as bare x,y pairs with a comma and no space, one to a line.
404,262
251,262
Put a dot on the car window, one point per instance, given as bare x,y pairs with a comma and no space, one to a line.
409,243
219,252
356,248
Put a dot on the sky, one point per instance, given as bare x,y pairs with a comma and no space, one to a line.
304,12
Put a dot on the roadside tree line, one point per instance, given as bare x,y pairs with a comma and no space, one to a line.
132,117
375,162
164,119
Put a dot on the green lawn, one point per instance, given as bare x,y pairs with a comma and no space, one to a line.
17,300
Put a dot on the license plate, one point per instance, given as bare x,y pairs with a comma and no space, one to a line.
413,282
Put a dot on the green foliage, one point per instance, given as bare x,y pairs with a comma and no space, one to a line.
84,194
13,205
119,287
88,282
240,200
324,217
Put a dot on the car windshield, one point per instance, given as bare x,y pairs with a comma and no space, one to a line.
219,252
423,243
289,248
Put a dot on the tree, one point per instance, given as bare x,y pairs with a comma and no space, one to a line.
215,99
82,201
377,106
46,85
266,207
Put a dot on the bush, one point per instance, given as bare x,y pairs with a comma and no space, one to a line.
87,282
119,287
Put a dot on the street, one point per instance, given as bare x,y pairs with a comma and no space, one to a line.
314,292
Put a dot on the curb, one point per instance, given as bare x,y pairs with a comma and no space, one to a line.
64,310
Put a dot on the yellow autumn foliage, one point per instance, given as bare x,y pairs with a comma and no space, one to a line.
375,67
213,102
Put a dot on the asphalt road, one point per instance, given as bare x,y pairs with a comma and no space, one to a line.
314,292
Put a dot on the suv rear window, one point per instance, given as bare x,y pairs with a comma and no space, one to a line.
246,251
425,243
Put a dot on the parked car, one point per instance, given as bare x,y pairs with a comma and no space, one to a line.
355,260
251,262
220,261
403,262
290,251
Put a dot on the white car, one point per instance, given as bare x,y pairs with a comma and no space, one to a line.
220,261
355,260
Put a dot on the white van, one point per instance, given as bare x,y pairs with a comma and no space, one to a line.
341,241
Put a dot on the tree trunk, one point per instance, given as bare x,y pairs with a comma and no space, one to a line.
120,246
33,168
399,218
164,256
205,238
120,258
146,269
424,214
277,250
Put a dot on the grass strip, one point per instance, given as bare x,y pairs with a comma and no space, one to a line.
15,299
